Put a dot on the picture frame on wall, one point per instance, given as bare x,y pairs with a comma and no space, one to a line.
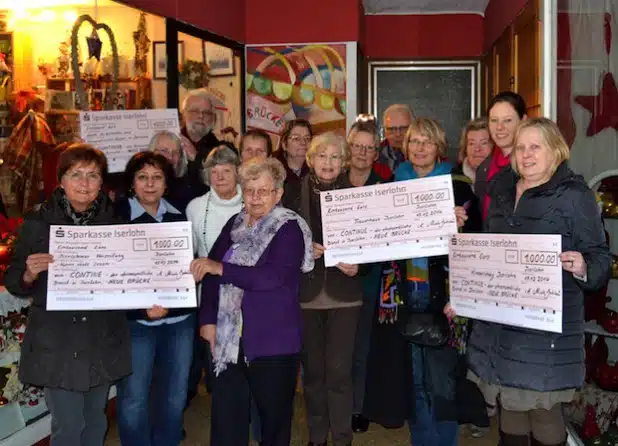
219,58
159,58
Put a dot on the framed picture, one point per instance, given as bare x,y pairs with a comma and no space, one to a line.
159,59
219,58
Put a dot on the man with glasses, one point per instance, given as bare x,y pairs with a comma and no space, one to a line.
199,116
397,119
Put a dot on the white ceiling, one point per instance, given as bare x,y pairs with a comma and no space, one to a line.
425,6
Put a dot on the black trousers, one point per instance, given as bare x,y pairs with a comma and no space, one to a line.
327,372
272,382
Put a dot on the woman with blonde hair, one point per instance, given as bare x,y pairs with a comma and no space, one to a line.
536,371
331,299
407,380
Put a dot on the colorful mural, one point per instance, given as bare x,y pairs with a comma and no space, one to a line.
285,82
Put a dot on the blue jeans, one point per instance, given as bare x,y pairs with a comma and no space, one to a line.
425,430
168,349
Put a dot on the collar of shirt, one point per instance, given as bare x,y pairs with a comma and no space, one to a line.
137,210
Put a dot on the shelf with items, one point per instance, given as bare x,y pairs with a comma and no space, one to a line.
132,93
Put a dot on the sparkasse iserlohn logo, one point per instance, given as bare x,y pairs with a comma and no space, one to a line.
59,232
454,241
328,198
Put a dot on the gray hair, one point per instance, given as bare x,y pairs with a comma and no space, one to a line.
182,167
220,155
254,168
201,93
401,108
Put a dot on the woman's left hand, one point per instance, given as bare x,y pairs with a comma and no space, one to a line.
449,312
157,312
573,262
188,148
347,269
460,215
202,266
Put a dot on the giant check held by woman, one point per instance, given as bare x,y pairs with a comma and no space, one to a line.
389,221
120,267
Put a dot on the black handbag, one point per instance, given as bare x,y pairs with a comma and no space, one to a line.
426,329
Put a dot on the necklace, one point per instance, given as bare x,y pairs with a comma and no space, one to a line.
205,223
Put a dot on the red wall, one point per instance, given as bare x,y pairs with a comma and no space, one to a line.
279,21
498,15
423,36
225,18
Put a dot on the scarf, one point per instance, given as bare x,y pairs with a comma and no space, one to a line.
81,218
249,245
390,156
498,162
417,270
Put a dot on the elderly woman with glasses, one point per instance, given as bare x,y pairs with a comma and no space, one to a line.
293,147
250,314
331,299
74,355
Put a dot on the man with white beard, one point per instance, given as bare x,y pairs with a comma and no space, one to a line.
198,138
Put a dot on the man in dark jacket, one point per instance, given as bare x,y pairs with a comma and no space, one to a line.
200,117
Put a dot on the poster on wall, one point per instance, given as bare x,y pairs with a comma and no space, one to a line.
309,81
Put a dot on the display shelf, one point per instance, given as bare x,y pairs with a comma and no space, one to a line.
38,430
592,327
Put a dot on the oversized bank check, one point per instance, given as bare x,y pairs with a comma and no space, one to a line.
512,279
120,267
120,134
390,221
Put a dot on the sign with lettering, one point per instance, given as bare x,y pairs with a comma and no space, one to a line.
392,221
121,267
120,134
512,279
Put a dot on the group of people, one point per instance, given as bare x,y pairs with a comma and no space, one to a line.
268,304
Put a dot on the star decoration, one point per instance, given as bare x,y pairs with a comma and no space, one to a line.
604,106
94,45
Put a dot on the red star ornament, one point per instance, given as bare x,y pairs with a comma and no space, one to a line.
604,107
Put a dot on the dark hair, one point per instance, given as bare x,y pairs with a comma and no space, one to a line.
291,125
257,133
515,100
147,158
81,154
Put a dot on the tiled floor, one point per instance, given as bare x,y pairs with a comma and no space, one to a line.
197,424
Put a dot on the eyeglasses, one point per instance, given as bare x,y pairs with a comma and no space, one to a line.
167,152
323,157
361,148
298,139
78,176
261,193
399,129
418,143
202,113
156,178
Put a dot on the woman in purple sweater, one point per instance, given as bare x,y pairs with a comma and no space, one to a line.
250,313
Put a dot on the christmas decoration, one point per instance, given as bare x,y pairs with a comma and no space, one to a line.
79,84
64,59
142,47
194,74
590,429
94,45
604,106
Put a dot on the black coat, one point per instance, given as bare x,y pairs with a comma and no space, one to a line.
389,397
531,359
196,167
71,350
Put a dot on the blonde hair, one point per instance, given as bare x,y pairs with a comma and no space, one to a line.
472,126
320,142
551,136
365,127
431,129
255,167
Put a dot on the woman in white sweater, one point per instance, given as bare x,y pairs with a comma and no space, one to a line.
210,212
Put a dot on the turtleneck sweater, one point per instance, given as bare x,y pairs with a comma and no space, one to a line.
208,214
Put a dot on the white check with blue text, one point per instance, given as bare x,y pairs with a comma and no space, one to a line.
391,221
512,279
121,267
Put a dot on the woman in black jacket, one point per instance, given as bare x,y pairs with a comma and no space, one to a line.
162,339
535,371
74,355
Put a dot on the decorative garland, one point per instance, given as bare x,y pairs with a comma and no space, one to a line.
79,84
194,74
